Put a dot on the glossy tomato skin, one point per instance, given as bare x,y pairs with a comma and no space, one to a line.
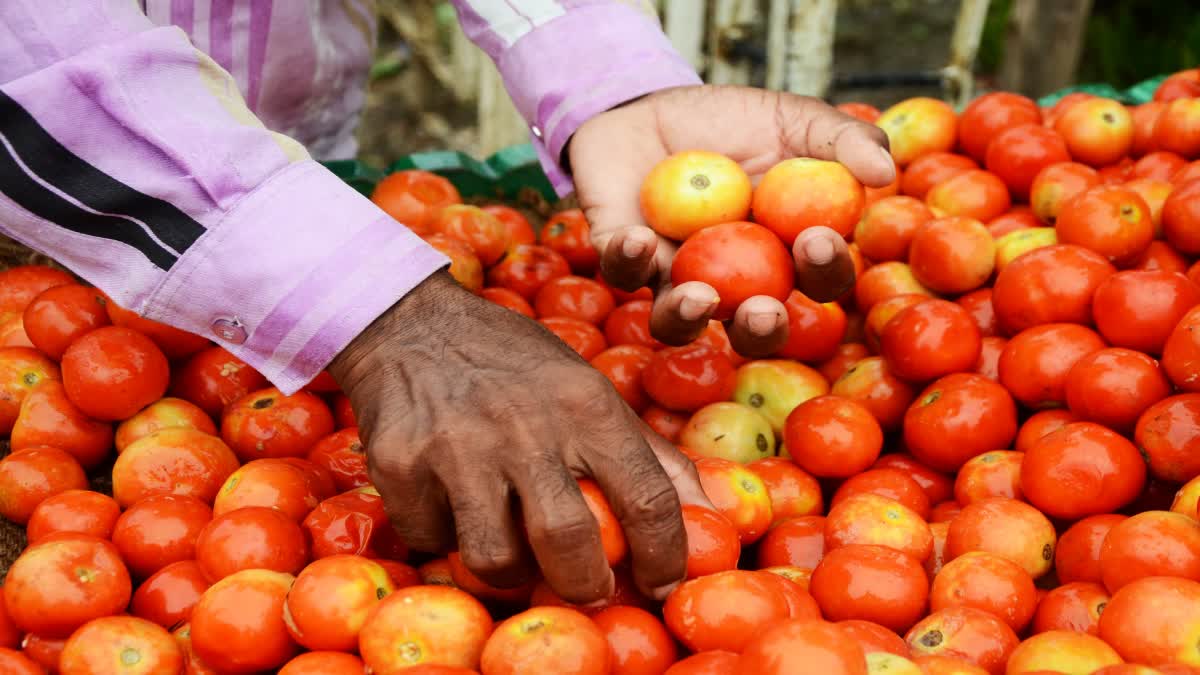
21,369
832,436
165,413
929,340
639,642
414,197
81,511
814,329
664,422
936,485
630,324
1073,606
1035,364
952,255
918,126
341,663
792,490
1151,620
169,595
1181,217
623,366
254,537
331,599
883,281
121,639
213,378
545,640
353,523
1179,352
526,268
1150,544
1081,470
800,193
160,530
287,487
1077,558
1006,527
465,266
724,611
974,194
1112,221
1139,309
21,284
1168,434
519,229
871,383
931,169
1057,184
713,543
581,336
1098,131
48,417
238,624
989,116
1114,386
887,227
688,378
173,461
344,456
510,299
958,417
482,232
988,582
265,423
973,635
62,583
979,305
1047,285
568,234
996,473
739,260
59,315
30,476
1021,152
872,583
576,298
870,519
800,644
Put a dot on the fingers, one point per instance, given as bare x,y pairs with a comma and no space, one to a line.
824,268
812,128
489,541
682,312
646,502
414,501
562,531
759,327
679,469
630,257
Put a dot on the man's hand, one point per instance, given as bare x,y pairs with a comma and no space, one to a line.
479,421
612,153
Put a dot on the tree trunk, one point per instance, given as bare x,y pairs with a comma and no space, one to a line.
1043,45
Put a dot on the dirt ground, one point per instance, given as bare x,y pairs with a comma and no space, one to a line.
410,112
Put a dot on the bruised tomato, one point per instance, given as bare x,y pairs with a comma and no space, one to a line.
265,423
59,315
415,197
343,455
739,260
353,523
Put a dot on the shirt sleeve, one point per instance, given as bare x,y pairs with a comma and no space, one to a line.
130,157
565,61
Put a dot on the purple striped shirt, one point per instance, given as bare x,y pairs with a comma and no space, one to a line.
164,151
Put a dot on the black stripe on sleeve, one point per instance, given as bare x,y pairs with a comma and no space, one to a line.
34,197
54,163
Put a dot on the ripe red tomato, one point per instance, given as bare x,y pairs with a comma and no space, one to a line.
80,511
887,227
121,639
832,436
62,583
639,642
1112,221
17,663
1114,386
238,625
1077,558
794,542
1047,285
863,111
1082,470
792,490
979,305
60,314
487,237
165,413
169,595
579,335
160,530
800,644
214,378
342,455
526,268
814,329
173,342
414,197
1017,218
465,266
545,640
47,417
519,229
972,194
884,281
688,378
929,340
265,423
739,260
341,663
172,461
952,255
1073,606
1151,620
1006,527
871,383
871,583
629,324
874,520
1168,434
30,476
21,284
353,523
918,126
725,610
958,417
929,170
1150,544
1021,152
1035,364
254,537
1181,217
713,544
1145,117
800,193
989,116
510,299
664,422
738,494
1184,84
1179,358
1139,309
623,366
1159,166
996,473
1178,127
987,582
568,234
21,369
575,297
279,484
331,599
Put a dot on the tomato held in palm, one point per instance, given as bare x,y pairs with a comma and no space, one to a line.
1006,527
1050,284
692,190
989,116
800,193
214,378
139,646
160,530
725,610
266,423
526,268
169,595
929,340
739,260
21,369
952,255
1098,131
62,583
871,583
1112,221
30,476
59,315
1020,153
113,372
639,642
415,197
688,378
568,234
1114,386
465,266
1181,217
958,417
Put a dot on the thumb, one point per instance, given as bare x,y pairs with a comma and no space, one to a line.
812,128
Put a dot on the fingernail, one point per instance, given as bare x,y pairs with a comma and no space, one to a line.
761,324
887,156
691,309
633,248
819,250
662,592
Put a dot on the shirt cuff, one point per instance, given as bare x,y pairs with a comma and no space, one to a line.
293,273
612,53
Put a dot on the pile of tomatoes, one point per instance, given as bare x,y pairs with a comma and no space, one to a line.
984,458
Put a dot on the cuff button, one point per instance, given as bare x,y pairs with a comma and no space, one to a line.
229,330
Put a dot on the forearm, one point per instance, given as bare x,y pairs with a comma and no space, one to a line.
130,157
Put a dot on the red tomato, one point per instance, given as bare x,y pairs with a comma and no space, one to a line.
172,461
59,315
713,544
1151,620
169,595
724,611
930,339
341,663
1112,221
893,484
987,582
21,369
30,476
688,378
1098,131
47,417
331,599
1139,309
887,227
814,329
831,436
1077,558
623,366
863,111
639,642
1047,285
1021,152
1073,606
121,639
415,197
510,299
1168,434
214,378
929,170
996,473
884,281
487,237
238,625
274,483
793,491
21,284
972,194
265,423
957,418
1017,218
664,422
937,486
1114,386
519,229
800,193
465,266
568,234
254,537
579,335
803,645
1184,84
342,454
1179,358
1150,544
1145,117
871,383
739,260
1178,127
1035,364
546,640
159,530
79,511
973,635
526,268
353,523
1006,527
174,343
989,116
952,255
870,519
795,542
165,413
629,324
1181,217
871,583
62,583
1082,470
979,305
576,298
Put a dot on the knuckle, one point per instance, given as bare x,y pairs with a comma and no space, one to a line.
569,531
655,504
490,561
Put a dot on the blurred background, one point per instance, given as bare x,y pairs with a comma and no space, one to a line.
432,90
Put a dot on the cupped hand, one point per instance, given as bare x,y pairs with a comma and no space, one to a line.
478,423
612,153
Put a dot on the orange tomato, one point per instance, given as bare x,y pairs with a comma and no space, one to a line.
966,633
1057,184
987,582
1150,544
918,126
173,461
713,541
1007,528
545,640
127,640
803,645
415,197
65,581
972,194
639,642
800,193
59,315
1082,470
265,423
1153,620
1098,131
1112,221
692,190
160,530
1062,650
1074,606
30,476
952,255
